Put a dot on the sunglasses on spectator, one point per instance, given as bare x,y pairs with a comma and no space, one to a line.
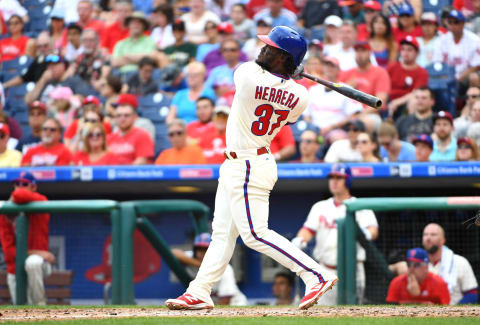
414,264
175,133
454,22
464,146
14,22
21,184
46,129
230,49
3,136
307,141
95,135
126,115
91,120
36,112
52,58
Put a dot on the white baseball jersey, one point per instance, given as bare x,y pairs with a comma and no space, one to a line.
263,103
329,107
461,55
466,280
322,220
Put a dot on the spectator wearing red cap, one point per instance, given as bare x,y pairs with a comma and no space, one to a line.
162,18
196,19
242,25
315,13
279,15
131,144
370,8
8,157
406,75
418,286
37,113
423,147
181,52
354,10
445,144
118,30
382,41
51,152
39,260
467,150
429,41
370,79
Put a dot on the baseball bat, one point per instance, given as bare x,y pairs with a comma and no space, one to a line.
345,90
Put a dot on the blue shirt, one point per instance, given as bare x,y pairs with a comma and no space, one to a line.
221,76
407,152
186,109
285,18
204,49
447,155
145,6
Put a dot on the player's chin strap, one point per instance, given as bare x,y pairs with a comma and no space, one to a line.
297,75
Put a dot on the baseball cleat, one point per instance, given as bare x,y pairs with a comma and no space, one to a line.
315,293
187,302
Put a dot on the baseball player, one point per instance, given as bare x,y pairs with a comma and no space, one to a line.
321,224
266,99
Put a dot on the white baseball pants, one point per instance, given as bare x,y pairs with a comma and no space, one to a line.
241,208
36,269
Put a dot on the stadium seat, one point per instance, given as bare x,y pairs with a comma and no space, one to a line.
316,33
12,68
435,6
444,85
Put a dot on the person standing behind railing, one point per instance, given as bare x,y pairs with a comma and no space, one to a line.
39,261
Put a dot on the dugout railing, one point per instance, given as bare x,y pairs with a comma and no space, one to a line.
349,234
125,217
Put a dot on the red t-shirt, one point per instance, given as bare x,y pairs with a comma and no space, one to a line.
399,34
213,147
72,129
198,130
81,158
362,32
41,156
98,26
405,81
11,49
433,289
128,147
283,139
372,81
255,6
114,33
37,228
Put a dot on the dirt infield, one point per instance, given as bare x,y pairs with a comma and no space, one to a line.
348,311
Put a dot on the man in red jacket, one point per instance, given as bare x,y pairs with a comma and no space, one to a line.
38,262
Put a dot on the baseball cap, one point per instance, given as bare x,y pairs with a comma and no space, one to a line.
178,24
57,14
333,20
410,40
26,177
444,115
61,93
222,109
225,28
346,3
126,99
332,60
465,140
4,128
372,5
265,21
362,45
54,58
455,14
318,43
38,104
430,17
424,138
74,26
405,9
417,255
356,124
90,99
202,240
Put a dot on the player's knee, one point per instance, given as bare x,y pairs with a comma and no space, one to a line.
33,263
253,239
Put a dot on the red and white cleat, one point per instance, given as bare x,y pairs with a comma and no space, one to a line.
315,293
187,302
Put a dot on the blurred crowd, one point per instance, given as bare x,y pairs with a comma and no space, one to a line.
122,82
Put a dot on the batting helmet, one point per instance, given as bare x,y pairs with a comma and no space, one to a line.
343,171
287,39
202,240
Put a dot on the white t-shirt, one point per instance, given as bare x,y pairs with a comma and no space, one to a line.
341,151
163,37
462,55
346,58
329,107
195,31
322,219
8,8
465,278
263,103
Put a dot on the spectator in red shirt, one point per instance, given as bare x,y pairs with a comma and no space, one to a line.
38,262
203,127
132,145
254,6
418,286
17,44
94,151
51,152
85,18
117,31
214,145
406,75
283,145
370,79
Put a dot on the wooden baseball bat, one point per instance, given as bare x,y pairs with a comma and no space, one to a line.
350,92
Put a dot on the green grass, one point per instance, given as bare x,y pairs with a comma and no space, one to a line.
263,321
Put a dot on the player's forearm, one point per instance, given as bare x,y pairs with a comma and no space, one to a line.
305,234
184,259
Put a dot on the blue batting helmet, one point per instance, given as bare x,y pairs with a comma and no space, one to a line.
287,39
202,240
343,171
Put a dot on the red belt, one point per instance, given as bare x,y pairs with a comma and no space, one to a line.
233,154
333,267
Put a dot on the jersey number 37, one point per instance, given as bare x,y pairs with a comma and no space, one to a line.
265,112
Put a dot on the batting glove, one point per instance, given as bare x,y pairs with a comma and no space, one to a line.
296,75
299,242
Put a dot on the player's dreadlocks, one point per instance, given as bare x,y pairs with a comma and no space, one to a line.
289,65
